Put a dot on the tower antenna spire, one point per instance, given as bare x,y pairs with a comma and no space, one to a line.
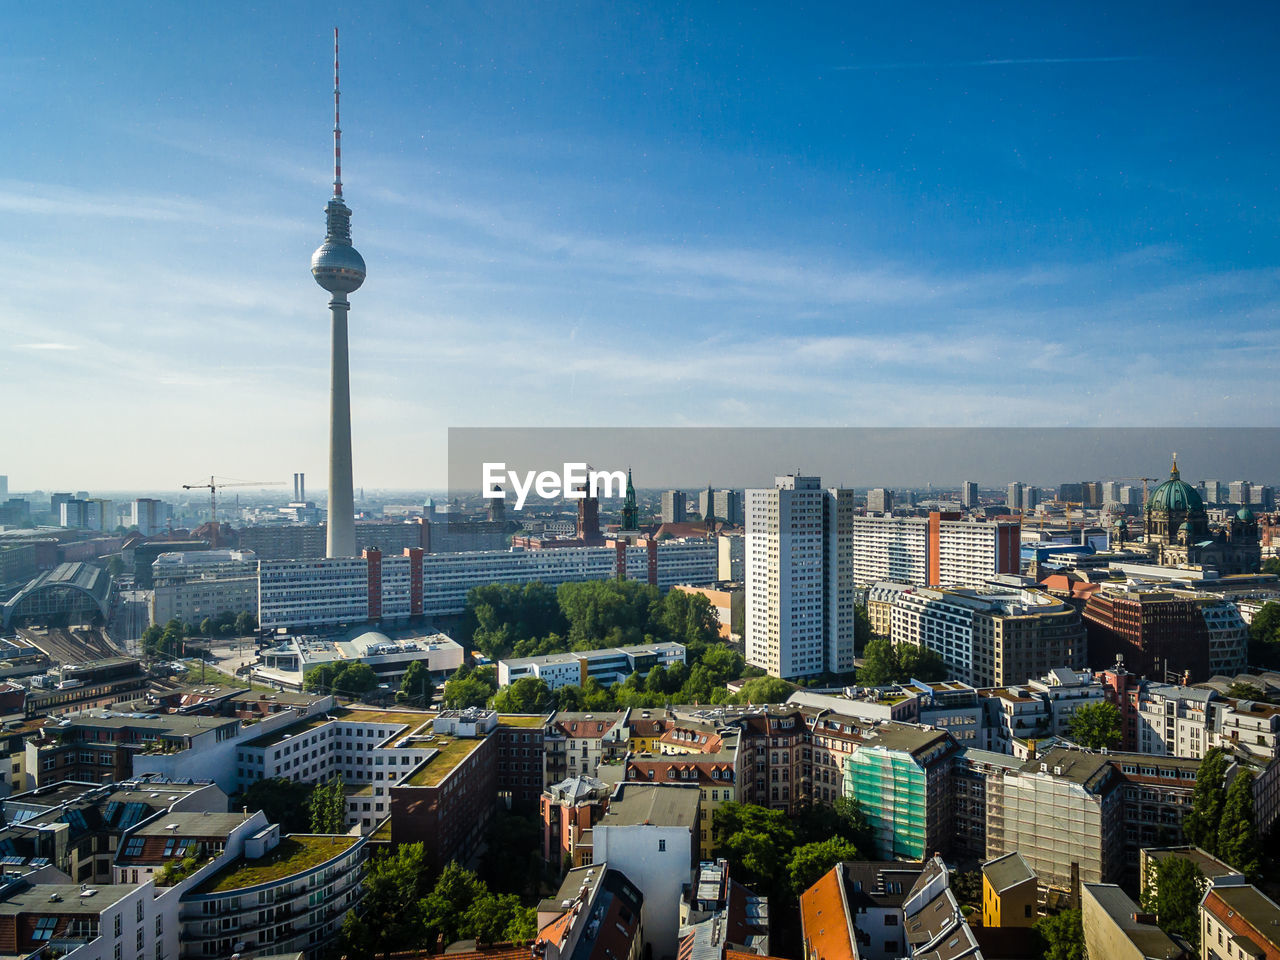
337,126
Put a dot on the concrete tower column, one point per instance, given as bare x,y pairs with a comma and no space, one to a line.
341,540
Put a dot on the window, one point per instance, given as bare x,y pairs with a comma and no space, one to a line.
117,929
140,909
662,846
44,928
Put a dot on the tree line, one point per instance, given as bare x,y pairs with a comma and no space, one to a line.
167,640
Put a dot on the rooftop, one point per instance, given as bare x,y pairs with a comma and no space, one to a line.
657,804
400,718
37,898
1004,873
1147,937
1250,904
295,854
449,754
192,825
1209,865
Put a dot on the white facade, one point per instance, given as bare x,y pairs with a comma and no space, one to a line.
659,861
609,665
314,593
150,516
1228,637
890,548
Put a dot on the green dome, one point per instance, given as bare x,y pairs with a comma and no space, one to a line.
1175,496
1245,515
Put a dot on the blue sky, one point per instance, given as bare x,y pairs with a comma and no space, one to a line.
607,214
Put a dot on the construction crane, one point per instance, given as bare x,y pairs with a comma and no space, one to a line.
214,485
1145,481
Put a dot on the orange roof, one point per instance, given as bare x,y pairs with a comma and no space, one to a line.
555,931
823,921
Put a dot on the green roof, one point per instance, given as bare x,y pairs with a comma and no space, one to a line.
449,754
294,854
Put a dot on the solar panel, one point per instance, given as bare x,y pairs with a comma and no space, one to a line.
13,861
109,813
133,812
41,862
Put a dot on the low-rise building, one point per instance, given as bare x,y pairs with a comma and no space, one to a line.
1238,922
606,666
1115,927
649,833
855,911
287,662
596,915
569,810
1010,893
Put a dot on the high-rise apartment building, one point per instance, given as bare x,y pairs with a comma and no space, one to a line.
1240,492
4,487
673,506
968,494
799,585
726,505
939,549
150,516
879,500
1214,491
1110,491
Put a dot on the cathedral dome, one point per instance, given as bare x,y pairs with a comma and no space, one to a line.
1175,496
1245,515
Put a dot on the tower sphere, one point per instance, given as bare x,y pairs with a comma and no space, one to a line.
338,267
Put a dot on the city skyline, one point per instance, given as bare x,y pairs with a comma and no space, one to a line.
634,217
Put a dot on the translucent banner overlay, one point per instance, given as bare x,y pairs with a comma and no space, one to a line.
941,459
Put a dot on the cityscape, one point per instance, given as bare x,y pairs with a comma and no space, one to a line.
629,667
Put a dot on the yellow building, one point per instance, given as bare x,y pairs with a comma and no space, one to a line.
1010,894
644,732
713,773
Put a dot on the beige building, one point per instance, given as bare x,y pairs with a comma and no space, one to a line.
1114,927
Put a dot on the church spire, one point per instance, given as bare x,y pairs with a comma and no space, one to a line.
630,511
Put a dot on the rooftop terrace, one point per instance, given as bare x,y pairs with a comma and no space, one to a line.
449,754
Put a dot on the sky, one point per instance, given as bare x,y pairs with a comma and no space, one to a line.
599,215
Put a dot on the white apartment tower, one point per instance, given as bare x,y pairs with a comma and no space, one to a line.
799,578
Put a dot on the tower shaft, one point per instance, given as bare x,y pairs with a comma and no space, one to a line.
341,535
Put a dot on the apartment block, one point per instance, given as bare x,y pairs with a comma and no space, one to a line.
940,549
799,587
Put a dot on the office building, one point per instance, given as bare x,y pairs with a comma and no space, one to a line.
799,586
968,494
879,500
1215,492
287,662
1240,492
990,638
673,506
606,666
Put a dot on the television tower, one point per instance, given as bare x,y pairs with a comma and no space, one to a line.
339,269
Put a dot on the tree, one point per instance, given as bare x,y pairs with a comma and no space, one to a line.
468,691
416,682
1061,935
765,690
861,626
811,861
842,819
284,802
115,566
879,663
1237,836
246,623
1172,891
1271,566
1096,725
526,695
395,885
756,841
1264,635
356,679
461,906
1200,825
207,627
328,806
883,663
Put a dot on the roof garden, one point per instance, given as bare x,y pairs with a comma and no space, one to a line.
450,753
294,854
520,720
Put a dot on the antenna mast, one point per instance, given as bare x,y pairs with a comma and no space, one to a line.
337,127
